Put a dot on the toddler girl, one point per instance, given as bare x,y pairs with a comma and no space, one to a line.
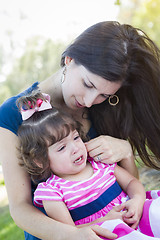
75,189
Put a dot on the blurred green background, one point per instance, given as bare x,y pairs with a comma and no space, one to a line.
40,58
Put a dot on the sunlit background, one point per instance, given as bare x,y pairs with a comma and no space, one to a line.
56,20
33,33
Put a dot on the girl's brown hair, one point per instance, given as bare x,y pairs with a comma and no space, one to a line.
41,130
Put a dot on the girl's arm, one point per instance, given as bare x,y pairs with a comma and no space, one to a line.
25,215
58,211
136,193
111,150
132,209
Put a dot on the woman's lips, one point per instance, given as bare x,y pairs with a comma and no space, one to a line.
79,105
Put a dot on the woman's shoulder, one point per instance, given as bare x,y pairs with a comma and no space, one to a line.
10,117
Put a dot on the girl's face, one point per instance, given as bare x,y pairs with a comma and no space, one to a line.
81,88
68,156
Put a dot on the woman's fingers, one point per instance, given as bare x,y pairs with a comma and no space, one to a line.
98,149
108,149
92,145
103,232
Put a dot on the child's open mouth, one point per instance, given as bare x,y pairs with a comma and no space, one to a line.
79,160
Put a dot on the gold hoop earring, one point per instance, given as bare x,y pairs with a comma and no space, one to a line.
63,75
114,103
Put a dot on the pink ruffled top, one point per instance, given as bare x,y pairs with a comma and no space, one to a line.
77,194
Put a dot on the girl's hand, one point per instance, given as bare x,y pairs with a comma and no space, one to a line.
133,213
117,212
108,149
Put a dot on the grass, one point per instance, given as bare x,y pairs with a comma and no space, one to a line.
8,229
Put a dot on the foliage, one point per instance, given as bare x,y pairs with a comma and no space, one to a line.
1,182
117,2
1,57
143,14
41,59
5,92
148,18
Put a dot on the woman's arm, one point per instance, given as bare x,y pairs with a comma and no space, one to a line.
111,150
25,215
17,182
129,183
128,162
59,211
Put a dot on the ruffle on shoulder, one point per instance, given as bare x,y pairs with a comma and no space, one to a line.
47,191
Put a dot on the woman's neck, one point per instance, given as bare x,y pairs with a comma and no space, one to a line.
52,86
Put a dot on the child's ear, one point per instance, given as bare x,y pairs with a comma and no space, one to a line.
38,163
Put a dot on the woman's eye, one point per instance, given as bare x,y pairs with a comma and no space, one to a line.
105,95
61,148
86,85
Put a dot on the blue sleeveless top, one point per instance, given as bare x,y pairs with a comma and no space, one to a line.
10,117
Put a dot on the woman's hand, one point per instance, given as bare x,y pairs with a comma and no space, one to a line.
108,149
92,233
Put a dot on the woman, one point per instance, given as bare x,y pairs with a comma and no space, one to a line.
107,58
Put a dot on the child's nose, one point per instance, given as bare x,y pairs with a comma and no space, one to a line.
74,148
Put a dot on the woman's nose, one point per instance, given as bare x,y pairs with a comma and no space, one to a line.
89,100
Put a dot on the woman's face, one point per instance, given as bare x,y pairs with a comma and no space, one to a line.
81,88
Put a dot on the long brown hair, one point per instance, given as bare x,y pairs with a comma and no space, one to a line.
120,52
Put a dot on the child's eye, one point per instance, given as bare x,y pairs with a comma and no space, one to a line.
61,148
76,137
